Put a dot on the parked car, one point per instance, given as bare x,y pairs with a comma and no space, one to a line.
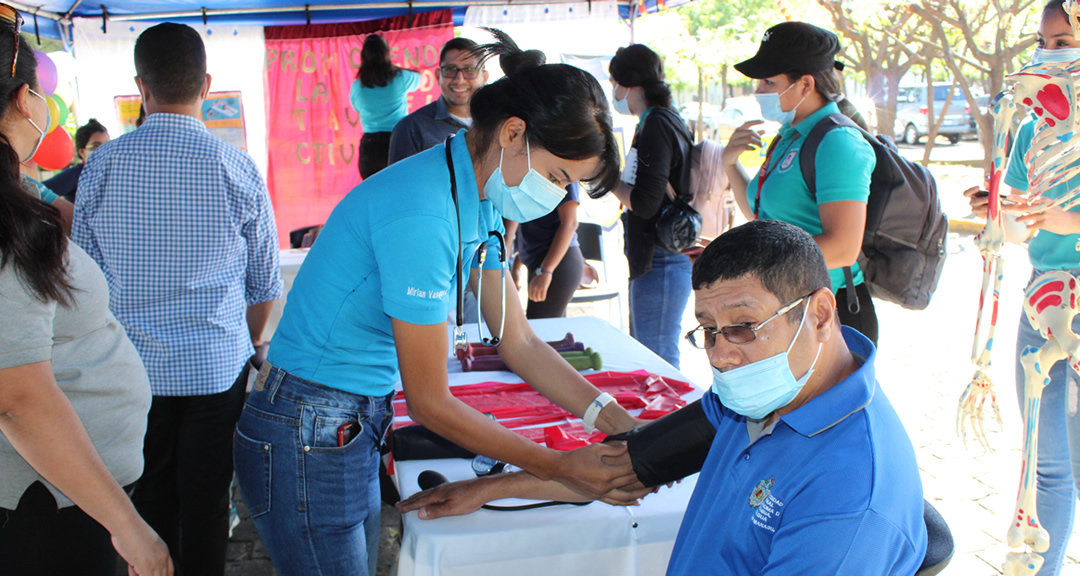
913,116
736,112
709,112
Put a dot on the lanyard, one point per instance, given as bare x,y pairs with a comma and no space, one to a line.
767,168
460,341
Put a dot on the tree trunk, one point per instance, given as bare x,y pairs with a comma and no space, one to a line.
723,87
931,120
876,90
887,121
700,132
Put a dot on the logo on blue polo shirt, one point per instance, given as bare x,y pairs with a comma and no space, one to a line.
760,493
766,506
789,160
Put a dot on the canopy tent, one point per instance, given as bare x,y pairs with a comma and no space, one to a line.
52,18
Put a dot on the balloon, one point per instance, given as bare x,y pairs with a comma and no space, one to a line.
54,114
56,150
46,72
62,108
65,92
65,66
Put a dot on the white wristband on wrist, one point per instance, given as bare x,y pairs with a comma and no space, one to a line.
591,413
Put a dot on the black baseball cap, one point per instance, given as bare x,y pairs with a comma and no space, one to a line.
792,46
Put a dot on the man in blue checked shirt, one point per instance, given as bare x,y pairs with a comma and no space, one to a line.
182,226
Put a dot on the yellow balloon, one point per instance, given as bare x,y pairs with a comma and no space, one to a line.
54,115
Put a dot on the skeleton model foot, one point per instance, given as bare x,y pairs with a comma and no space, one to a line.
1050,303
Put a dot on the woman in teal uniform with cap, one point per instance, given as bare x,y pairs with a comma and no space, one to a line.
797,86
369,307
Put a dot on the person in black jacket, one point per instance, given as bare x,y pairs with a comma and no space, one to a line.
87,139
659,157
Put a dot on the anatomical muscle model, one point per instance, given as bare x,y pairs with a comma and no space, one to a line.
1051,300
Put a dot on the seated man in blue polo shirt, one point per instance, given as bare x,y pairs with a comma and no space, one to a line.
805,466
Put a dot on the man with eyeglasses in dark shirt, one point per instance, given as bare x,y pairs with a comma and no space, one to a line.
460,76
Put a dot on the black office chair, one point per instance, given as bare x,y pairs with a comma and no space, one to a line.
939,542
297,237
591,242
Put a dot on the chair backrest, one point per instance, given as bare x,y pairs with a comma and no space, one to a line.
296,237
590,237
939,542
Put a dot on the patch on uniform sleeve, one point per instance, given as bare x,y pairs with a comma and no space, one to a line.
767,508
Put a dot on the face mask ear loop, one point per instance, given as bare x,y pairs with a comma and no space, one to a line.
796,105
806,308
528,155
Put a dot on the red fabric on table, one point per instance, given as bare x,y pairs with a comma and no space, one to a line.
522,409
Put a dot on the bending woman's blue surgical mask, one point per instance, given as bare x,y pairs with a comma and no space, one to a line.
1059,56
536,196
757,389
770,107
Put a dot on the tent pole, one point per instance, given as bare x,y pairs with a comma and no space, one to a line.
35,10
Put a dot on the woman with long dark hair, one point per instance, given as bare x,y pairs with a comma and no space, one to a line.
659,158
379,96
70,379
798,86
370,305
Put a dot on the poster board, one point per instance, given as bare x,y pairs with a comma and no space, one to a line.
222,112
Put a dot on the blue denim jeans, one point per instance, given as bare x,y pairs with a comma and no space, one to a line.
657,302
1059,445
316,505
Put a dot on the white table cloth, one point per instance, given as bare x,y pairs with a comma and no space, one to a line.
597,539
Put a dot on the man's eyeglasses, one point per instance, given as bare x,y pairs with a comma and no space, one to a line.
469,73
9,15
703,338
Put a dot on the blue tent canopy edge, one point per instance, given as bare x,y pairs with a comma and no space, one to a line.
50,17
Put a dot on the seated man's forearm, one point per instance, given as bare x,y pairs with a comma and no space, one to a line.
467,496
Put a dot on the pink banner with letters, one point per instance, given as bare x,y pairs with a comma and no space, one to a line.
313,131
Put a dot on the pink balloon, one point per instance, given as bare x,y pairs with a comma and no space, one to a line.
46,70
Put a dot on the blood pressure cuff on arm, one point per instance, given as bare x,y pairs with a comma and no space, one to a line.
670,448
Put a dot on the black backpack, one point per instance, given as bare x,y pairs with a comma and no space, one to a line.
903,249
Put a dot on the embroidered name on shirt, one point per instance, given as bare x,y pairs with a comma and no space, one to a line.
429,294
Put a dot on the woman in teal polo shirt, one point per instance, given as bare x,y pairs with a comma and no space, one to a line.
798,87
380,96
369,307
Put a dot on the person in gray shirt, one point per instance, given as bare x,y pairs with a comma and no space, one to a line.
73,392
460,76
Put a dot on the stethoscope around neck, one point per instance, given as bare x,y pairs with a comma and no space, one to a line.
461,342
